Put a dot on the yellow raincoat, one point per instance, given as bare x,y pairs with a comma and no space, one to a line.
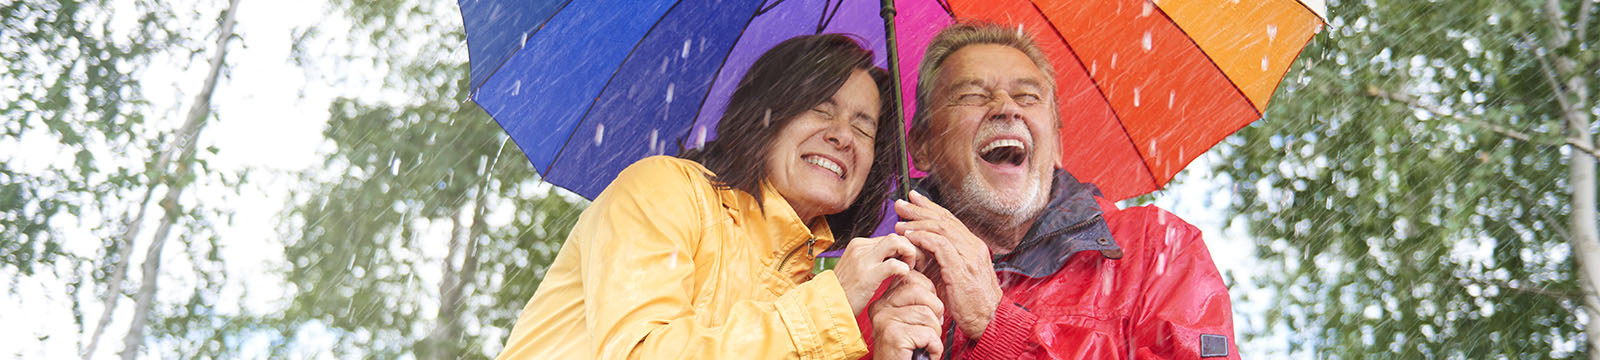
663,265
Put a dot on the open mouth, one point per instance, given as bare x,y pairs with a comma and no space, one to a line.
1004,152
825,163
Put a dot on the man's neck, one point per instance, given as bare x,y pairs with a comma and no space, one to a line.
1002,241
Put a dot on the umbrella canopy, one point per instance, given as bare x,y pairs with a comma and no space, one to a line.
587,87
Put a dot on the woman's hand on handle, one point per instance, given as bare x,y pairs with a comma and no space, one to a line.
906,319
867,262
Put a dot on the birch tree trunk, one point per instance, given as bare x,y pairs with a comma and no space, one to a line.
178,180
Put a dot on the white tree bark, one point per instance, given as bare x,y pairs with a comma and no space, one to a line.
187,140
1572,89
453,290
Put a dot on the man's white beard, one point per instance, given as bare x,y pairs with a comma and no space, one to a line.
988,213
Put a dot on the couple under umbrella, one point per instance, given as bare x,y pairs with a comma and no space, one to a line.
791,143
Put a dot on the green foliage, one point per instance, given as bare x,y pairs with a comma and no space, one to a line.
72,78
357,248
403,179
1391,230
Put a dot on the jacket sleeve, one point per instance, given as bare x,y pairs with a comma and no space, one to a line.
1008,336
1184,311
639,275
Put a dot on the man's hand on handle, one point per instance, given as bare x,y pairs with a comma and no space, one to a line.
964,276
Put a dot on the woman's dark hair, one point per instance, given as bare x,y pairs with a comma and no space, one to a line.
786,81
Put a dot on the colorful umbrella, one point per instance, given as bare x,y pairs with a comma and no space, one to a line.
1144,87
587,87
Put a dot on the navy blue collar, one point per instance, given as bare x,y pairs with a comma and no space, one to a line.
1071,222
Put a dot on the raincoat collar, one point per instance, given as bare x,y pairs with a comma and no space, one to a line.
1071,222
783,225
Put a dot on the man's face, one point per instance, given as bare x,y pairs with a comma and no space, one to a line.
992,142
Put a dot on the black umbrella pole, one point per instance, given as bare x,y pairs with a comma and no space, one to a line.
903,184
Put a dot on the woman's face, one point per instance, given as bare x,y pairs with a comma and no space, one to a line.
820,160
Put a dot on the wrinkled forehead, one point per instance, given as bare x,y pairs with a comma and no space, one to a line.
989,66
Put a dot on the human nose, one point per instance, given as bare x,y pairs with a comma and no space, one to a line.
838,134
1003,107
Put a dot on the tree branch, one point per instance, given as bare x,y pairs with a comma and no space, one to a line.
1374,91
1583,21
1550,76
1558,23
1563,295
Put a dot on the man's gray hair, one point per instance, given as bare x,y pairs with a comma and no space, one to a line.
962,34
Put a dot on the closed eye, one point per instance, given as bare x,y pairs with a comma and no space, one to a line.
822,112
973,99
866,127
1027,99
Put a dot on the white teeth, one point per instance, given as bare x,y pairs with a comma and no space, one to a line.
826,164
1002,143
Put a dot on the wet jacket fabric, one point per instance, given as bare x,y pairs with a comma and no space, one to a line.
1091,281
663,265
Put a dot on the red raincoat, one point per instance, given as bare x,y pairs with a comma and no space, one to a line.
1067,295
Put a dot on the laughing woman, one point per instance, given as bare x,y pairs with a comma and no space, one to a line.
709,255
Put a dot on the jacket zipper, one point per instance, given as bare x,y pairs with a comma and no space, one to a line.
807,246
1075,227
1035,240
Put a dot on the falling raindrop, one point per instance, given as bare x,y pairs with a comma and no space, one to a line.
1113,60
1148,8
1146,41
669,93
599,133
700,140
1093,67
1263,63
653,134
664,62
1272,32
766,119
1172,96
1135,97
1019,30
686,43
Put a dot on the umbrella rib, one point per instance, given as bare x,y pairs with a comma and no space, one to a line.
590,108
765,9
1213,62
827,16
507,57
724,64
1098,90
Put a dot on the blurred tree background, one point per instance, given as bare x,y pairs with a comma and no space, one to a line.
1411,191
